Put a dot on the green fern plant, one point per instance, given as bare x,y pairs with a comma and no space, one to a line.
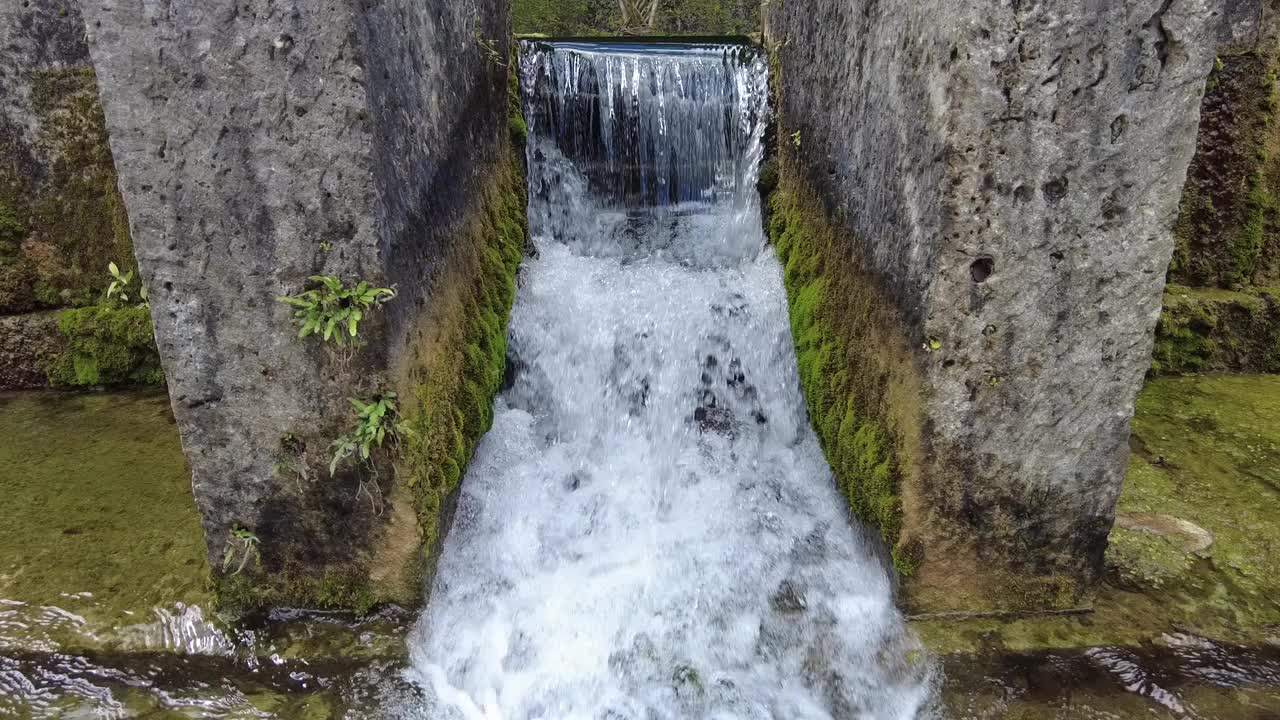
241,542
123,285
376,421
333,310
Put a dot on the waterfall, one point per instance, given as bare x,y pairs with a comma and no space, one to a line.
650,529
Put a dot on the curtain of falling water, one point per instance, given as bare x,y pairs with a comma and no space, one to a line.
650,530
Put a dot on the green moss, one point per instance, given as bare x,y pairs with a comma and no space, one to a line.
71,216
1228,229
845,338
97,498
1217,330
108,345
455,387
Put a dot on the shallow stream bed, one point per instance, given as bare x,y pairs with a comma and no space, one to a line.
91,625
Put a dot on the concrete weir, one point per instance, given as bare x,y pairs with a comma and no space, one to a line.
975,204
259,144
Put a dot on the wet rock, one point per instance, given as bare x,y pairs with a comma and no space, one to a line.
788,599
1193,538
28,344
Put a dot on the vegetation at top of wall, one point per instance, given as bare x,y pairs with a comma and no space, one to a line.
1210,330
606,17
1228,229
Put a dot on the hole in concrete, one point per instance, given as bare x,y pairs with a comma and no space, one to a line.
1055,190
981,269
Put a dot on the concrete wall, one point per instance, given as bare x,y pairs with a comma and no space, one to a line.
259,143
1006,175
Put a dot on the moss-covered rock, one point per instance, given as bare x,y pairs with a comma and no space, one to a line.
446,387
1209,330
107,345
29,343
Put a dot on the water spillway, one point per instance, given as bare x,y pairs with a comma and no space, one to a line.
650,530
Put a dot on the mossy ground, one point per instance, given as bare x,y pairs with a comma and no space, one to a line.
1206,450
97,498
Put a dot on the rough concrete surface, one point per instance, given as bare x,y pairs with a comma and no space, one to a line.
1009,175
259,143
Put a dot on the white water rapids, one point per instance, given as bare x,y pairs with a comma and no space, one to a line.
650,531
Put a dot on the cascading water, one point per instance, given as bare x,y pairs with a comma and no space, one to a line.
650,529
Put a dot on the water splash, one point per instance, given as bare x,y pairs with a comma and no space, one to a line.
650,529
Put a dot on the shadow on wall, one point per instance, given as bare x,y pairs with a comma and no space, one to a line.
605,17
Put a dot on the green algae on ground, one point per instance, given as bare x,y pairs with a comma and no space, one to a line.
1207,450
97,498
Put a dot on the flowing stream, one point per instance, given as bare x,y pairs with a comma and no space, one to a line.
650,529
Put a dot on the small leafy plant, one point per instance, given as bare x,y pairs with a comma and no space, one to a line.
242,543
123,285
333,310
795,139
376,421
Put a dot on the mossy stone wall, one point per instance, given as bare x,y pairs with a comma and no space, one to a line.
856,366
1211,330
1228,231
1221,312
62,219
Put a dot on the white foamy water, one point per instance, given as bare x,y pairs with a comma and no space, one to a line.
650,531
